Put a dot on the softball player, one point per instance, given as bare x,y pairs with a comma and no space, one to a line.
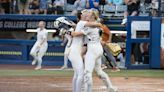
75,56
68,39
93,56
40,46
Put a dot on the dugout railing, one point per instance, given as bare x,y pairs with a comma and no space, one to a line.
145,31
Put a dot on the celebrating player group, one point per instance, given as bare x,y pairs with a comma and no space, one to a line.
84,49
86,52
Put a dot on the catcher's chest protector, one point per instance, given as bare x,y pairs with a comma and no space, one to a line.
105,33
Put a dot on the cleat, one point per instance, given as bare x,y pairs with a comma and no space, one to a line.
116,69
63,67
38,68
113,89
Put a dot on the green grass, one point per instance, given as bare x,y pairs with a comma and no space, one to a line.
66,73
137,73
12,73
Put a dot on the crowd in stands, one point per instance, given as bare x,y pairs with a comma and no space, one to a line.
59,6
44,6
133,7
32,6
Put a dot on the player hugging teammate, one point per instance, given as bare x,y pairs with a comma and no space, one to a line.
88,28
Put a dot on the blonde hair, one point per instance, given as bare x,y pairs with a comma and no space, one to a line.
84,11
95,13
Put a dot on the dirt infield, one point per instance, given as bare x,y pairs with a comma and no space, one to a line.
63,84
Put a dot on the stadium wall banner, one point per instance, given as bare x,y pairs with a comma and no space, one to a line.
162,44
22,22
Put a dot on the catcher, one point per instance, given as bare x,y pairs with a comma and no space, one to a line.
105,41
64,25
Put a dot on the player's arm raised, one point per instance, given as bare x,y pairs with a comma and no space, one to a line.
93,24
77,33
88,24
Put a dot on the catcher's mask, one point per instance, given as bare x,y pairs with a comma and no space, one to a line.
63,20
63,25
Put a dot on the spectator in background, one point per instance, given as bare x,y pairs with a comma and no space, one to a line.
1,10
79,5
58,7
105,39
132,9
43,6
34,7
155,5
23,6
144,48
92,4
14,7
49,7
5,6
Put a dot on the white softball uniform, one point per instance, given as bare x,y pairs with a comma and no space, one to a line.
76,58
69,42
36,52
93,59
67,48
